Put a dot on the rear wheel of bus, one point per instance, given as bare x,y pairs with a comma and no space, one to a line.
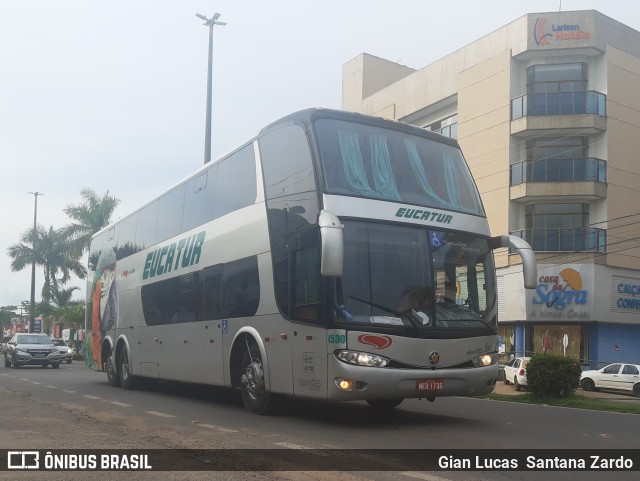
127,381
113,377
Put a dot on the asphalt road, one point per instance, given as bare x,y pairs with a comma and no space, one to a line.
73,407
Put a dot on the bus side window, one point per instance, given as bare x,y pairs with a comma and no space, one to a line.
212,293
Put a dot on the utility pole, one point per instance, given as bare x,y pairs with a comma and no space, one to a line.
32,313
209,22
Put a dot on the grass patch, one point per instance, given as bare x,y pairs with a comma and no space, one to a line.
572,401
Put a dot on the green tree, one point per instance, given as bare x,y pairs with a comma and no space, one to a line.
62,297
51,252
91,215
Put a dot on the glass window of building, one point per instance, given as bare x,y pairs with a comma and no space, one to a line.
567,77
557,227
556,159
447,127
562,339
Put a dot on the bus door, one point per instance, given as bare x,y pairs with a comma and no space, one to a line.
308,343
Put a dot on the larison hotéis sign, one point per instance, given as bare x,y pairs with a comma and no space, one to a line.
546,33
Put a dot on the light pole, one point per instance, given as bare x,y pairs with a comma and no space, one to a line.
209,22
33,263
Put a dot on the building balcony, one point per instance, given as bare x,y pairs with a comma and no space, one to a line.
581,112
580,239
580,178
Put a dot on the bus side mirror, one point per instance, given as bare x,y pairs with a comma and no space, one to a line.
529,266
332,245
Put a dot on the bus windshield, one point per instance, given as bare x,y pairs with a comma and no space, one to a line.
416,279
367,161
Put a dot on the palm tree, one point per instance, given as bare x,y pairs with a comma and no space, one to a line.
91,215
51,252
61,297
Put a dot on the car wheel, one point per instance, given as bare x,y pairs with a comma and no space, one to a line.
516,384
55,365
636,390
68,361
506,381
254,393
127,381
44,365
7,362
14,364
384,404
588,385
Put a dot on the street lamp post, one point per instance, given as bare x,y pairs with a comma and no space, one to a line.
209,22
32,313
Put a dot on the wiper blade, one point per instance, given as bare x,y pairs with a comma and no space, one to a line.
413,321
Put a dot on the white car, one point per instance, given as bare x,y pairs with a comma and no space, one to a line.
66,353
516,372
625,377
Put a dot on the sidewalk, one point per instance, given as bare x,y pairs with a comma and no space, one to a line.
501,388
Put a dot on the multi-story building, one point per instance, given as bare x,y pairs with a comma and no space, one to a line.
547,112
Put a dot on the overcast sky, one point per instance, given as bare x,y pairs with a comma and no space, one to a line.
111,94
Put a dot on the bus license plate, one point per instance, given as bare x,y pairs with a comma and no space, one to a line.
429,385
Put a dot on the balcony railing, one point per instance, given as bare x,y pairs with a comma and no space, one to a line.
559,170
565,240
559,103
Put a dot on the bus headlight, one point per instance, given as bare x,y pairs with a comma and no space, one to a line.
362,358
485,360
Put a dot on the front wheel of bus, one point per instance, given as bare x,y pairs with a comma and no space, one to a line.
384,404
255,396
124,370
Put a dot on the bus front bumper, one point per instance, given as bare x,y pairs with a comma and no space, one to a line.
362,383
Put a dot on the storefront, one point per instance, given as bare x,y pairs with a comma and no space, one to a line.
584,311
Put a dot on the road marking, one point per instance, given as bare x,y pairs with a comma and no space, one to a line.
216,428
291,446
425,476
162,415
23,379
69,391
52,387
118,403
35,382
91,397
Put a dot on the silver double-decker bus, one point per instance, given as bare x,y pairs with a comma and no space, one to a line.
335,255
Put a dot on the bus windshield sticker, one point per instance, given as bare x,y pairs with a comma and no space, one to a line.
392,321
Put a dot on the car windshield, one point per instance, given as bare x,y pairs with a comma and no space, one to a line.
411,277
27,339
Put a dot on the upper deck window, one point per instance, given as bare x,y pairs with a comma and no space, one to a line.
366,161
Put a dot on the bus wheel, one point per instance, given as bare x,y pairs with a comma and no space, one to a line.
255,396
124,370
113,378
384,404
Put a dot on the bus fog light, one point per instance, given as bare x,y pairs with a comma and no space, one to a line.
362,358
344,384
485,360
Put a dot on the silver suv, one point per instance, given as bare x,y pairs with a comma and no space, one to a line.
31,348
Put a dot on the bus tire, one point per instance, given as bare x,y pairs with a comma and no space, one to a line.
127,381
113,377
256,398
384,404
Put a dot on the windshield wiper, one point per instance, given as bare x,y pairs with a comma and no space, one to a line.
414,322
